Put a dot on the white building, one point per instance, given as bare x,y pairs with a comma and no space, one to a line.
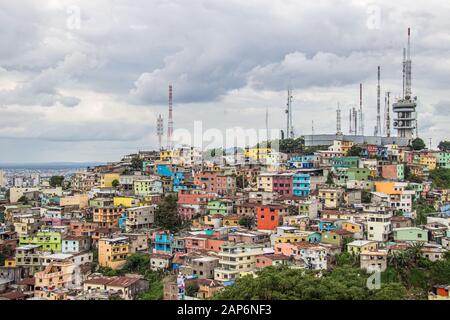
379,225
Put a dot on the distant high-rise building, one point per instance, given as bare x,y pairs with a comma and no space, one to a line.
2,179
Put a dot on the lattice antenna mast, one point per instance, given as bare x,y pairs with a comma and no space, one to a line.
170,123
404,73
289,126
408,90
361,118
267,126
160,130
378,127
350,131
338,120
388,115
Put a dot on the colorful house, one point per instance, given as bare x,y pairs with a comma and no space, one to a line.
359,246
161,242
410,234
301,185
49,241
269,217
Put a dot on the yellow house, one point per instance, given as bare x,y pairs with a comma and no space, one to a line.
107,179
330,198
336,214
231,221
429,161
126,202
257,153
358,246
265,182
167,155
113,253
291,238
10,263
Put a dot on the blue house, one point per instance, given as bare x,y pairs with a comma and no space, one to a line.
163,170
123,221
326,225
177,177
161,242
302,162
382,152
301,185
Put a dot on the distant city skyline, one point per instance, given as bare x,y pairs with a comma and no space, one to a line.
85,81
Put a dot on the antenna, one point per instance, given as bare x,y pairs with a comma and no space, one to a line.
378,126
404,72
350,122
267,127
408,92
361,119
160,130
170,126
289,126
388,115
338,120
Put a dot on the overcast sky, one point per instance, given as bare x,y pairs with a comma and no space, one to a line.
85,80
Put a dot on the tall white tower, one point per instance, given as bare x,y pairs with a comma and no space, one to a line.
405,120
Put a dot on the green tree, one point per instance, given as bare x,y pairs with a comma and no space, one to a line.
444,145
440,178
423,209
115,183
355,151
56,181
330,180
247,222
166,215
418,144
191,289
136,163
391,291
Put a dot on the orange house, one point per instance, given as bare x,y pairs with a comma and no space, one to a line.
270,217
108,217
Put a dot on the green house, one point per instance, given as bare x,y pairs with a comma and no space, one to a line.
349,174
443,159
222,207
336,237
345,162
49,241
410,234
